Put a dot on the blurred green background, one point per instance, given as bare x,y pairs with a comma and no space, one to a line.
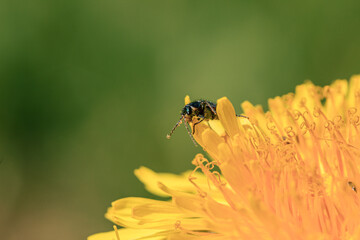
89,90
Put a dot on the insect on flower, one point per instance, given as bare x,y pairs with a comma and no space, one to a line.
196,112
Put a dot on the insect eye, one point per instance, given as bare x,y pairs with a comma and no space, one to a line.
188,110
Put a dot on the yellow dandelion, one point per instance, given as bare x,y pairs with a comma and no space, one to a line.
289,173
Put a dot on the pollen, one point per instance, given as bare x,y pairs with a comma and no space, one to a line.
289,173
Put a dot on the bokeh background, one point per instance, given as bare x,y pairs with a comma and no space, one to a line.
89,89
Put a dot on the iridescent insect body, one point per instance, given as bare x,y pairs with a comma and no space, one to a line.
196,112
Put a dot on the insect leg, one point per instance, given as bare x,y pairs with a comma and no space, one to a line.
191,136
197,124
211,108
239,115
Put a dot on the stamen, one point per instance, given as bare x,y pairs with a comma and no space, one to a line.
191,179
116,232
177,225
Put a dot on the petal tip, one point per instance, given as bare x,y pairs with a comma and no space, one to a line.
187,100
222,100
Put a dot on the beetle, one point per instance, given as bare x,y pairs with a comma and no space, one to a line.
201,110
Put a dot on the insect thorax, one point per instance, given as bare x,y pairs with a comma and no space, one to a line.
200,109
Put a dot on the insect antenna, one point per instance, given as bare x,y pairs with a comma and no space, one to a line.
168,136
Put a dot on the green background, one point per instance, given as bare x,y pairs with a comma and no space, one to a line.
89,90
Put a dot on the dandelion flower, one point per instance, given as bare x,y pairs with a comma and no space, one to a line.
289,173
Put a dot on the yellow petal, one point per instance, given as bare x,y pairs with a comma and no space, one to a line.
177,182
306,96
129,234
335,102
354,88
290,173
187,100
217,127
211,142
200,128
278,109
227,116
123,213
